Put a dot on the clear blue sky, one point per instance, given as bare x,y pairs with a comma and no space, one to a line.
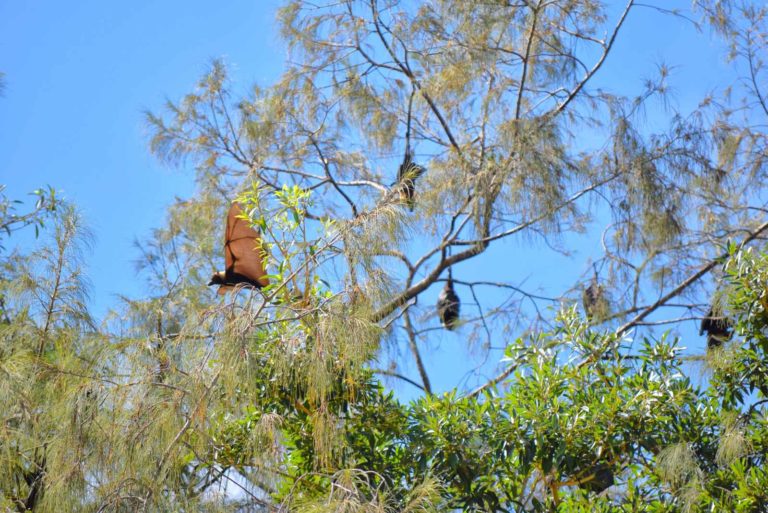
80,74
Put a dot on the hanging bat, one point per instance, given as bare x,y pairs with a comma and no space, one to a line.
243,255
448,305
718,329
601,478
406,179
591,299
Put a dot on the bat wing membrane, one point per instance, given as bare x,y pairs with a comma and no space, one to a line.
243,250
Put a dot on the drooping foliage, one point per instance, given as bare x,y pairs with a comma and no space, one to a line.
276,399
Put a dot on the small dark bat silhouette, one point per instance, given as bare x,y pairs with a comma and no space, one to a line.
448,305
718,329
407,174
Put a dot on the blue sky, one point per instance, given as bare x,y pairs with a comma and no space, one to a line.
79,76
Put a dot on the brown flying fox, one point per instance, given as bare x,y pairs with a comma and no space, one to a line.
243,255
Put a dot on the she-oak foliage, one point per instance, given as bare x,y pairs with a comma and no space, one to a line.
273,400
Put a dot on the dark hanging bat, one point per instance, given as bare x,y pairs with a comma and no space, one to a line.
601,478
406,179
243,255
718,329
592,298
448,305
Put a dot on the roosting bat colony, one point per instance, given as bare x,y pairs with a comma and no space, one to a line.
245,257
244,260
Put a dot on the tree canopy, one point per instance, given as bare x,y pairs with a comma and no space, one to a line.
409,148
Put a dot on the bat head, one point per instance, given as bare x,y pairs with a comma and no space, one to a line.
218,278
